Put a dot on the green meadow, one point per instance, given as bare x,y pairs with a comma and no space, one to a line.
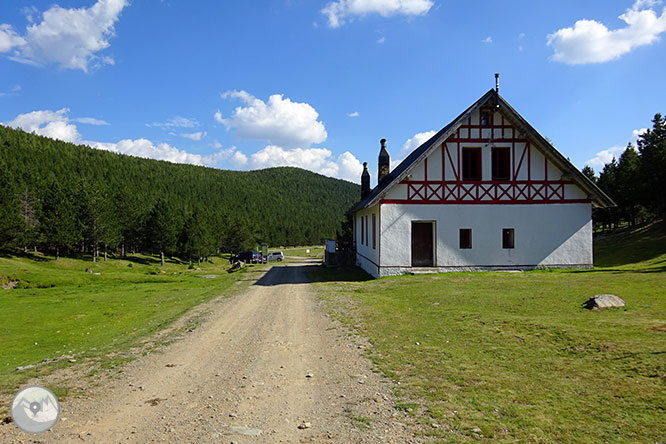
58,309
513,357
314,252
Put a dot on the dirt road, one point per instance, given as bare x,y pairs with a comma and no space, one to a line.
268,366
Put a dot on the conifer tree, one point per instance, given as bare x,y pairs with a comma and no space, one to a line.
29,212
652,148
59,224
161,229
10,220
608,183
628,185
589,173
196,237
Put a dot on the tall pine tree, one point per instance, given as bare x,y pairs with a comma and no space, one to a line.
652,147
10,219
161,230
59,224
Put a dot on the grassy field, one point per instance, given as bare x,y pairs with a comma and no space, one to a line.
512,357
316,251
57,309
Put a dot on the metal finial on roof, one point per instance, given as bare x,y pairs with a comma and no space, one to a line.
497,82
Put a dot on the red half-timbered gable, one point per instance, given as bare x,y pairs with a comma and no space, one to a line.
507,200
469,167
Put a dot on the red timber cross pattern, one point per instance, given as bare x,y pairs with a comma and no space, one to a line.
455,190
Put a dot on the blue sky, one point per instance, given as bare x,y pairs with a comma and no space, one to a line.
316,84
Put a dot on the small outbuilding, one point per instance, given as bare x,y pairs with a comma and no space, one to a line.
487,192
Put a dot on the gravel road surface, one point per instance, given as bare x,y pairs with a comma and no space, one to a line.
267,366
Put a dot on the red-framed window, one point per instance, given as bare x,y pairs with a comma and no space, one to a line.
508,238
374,231
466,238
471,163
501,161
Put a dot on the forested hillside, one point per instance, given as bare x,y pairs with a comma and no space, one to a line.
62,197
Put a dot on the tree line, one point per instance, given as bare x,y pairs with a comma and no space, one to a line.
636,181
67,199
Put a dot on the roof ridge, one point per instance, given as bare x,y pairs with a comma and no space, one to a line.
425,148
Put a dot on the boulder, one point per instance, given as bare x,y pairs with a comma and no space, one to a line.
603,301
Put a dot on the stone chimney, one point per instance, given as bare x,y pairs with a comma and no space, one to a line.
384,162
365,181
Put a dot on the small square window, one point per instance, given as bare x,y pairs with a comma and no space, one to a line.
507,238
465,238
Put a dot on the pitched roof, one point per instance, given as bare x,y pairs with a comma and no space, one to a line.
599,198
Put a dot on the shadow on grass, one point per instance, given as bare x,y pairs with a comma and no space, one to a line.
648,269
141,260
630,247
29,255
307,274
152,260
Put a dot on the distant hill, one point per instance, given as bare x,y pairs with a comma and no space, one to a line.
281,206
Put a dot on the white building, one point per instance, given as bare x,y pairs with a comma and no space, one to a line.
486,192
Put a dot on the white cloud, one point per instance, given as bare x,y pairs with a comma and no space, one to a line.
70,38
8,38
339,11
381,40
91,121
414,142
146,148
310,158
635,134
592,42
320,160
279,121
410,145
194,136
239,159
354,114
349,167
606,156
175,122
487,41
14,90
57,125
54,124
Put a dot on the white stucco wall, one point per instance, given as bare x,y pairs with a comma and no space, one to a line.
367,257
557,235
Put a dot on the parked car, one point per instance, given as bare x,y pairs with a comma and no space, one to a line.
276,256
249,257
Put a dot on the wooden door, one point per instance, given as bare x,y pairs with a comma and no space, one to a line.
422,244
